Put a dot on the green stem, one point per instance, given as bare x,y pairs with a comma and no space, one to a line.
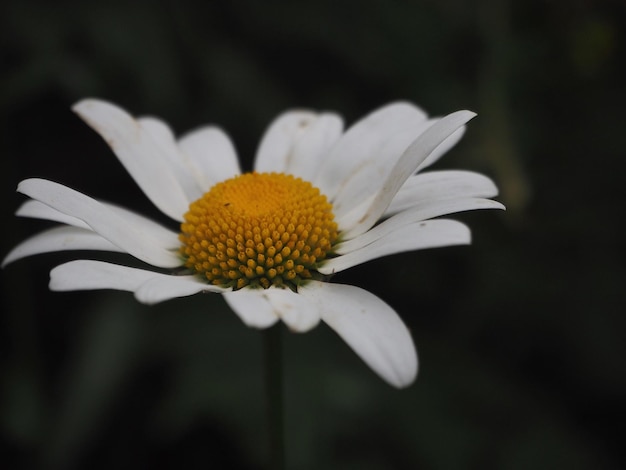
274,395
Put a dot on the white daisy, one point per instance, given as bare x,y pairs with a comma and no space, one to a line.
320,200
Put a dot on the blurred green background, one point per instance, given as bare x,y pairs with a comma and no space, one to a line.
521,336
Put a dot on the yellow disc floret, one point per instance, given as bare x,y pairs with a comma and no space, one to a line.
258,229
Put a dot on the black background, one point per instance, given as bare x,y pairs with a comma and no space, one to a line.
520,336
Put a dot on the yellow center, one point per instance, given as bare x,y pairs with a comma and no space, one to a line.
258,229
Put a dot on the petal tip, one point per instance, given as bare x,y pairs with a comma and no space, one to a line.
86,103
405,382
8,259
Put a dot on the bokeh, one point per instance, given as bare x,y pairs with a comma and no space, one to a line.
521,336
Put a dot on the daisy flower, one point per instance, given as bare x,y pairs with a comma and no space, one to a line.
320,200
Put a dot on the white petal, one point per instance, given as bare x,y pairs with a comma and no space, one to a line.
296,311
252,307
137,240
312,150
180,165
90,275
162,287
59,239
145,160
447,184
421,211
261,308
368,178
418,151
416,236
212,153
150,287
297,143
369,148
369,326
443,148
165,237
278,140
39,210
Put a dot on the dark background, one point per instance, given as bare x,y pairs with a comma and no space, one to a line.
520,336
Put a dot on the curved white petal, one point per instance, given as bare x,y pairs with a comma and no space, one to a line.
275,148
298,313
162,287
368,178
442,148
137,240
421,211
212,153
252,307
312,150
180,166
145,160
91,275
368,149
39,210
418,151
446,184
164,236
369,326
297,142
415,236
261,308
150,287
59,239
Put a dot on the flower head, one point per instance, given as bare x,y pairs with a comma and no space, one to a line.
319,201
258,229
